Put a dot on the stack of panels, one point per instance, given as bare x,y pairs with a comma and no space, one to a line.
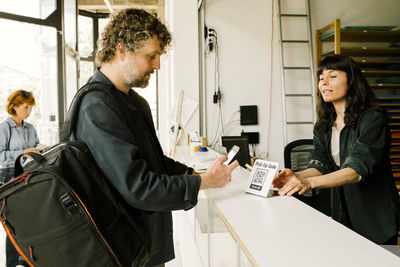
391,103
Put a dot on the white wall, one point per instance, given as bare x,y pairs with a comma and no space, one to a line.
244,36
180,67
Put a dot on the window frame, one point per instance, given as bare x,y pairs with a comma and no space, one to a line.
55,20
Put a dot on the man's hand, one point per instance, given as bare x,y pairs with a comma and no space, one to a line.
218,174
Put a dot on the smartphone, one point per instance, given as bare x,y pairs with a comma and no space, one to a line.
232,154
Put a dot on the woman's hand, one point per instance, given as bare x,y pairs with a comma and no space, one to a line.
288,183
282,178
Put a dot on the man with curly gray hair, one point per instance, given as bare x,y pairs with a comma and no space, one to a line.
120,134
128,31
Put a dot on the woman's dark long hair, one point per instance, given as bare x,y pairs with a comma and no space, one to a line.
359,95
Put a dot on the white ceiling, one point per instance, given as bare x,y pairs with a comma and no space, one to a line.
100,5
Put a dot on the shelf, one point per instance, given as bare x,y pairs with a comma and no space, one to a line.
375,63
397,175
366,36
388,104
388,97
381,73
384,85
367,51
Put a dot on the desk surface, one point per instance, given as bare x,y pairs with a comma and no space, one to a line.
283,231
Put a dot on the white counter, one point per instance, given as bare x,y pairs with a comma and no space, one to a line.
283,231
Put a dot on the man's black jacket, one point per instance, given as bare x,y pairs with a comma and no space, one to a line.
128,152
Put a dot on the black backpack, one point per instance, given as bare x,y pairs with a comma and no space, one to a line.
62,211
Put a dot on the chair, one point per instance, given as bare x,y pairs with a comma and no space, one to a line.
297,154
296,157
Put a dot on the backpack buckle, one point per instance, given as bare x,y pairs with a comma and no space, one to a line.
69,204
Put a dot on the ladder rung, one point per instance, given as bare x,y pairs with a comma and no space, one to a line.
297,68
293,15
295,41
299,122
288,68
298,95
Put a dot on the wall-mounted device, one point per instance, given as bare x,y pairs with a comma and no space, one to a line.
248,115
211,38
254,137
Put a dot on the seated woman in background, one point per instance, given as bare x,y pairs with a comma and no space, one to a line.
351,154
16,137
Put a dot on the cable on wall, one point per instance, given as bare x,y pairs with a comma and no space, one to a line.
212,47
270,81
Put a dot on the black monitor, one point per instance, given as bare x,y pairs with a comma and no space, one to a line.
241,141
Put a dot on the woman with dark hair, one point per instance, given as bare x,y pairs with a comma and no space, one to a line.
351,154
16,137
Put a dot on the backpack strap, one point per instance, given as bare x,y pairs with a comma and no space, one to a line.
69,127
18,169
9,137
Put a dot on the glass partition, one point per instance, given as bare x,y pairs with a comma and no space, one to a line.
40,9
85,28
150,94
71,53
29,61
70,17
86,69
86,48
71,79
102,23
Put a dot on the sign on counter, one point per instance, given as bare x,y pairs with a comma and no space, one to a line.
261,176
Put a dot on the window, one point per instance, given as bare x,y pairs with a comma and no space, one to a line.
86,48
29,61
40,9
150,94
35,61
32,59
71,54
71,78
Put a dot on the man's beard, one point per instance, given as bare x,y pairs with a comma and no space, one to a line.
140,82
